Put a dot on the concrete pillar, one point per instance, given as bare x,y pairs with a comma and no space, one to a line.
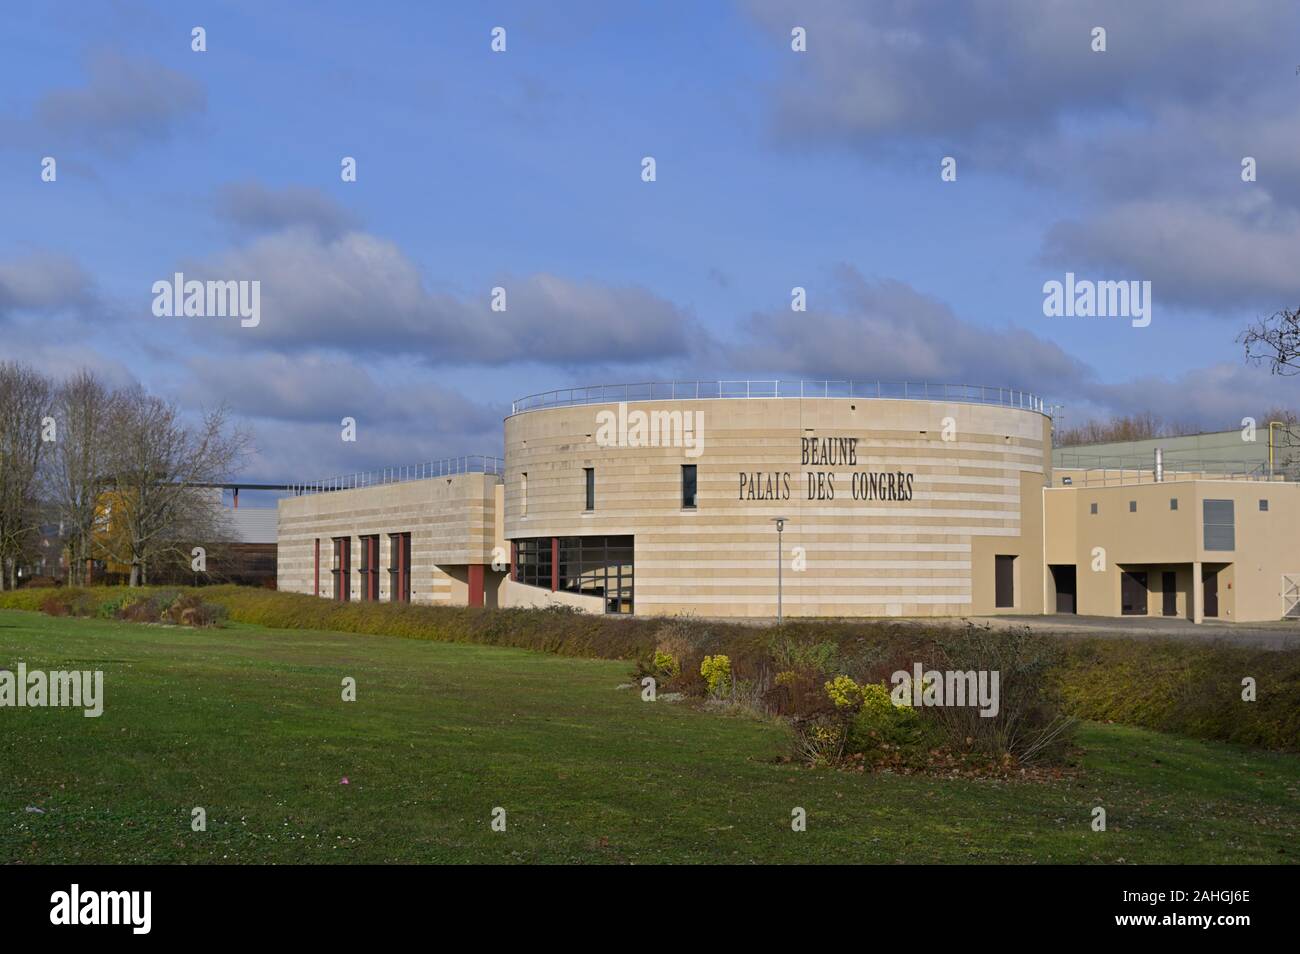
1198,594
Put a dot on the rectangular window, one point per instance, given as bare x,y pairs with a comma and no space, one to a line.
1173,503
342,570
533,561
370,568
1263,505
399,567
598,566
1132,506
1094,508
523,494
590,474
688,486
1218,525
1004,582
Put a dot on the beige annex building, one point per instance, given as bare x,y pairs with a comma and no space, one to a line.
827,498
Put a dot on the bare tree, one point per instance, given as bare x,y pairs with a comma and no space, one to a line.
156,505
24,405
85,409
1134,427
1275,341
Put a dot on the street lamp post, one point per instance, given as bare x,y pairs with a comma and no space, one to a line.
780,526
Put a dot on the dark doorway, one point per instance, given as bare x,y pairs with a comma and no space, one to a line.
1005,582
1169,590
1210,579
1133,593
1066,581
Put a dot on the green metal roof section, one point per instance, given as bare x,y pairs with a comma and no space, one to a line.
1215,451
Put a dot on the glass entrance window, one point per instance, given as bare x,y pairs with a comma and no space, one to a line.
599,566
596,566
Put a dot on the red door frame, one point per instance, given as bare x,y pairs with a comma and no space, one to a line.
343,578
476,584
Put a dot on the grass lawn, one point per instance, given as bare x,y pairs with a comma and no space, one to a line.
249,724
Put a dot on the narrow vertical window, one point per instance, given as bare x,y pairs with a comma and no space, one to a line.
342,570
370,568
688,486
399,567
590,474
523,494
1004,577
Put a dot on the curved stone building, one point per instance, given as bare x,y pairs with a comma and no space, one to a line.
662,499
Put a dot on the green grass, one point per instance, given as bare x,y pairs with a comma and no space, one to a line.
249,724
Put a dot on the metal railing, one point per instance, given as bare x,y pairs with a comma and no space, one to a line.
1111,470
448,466
705,390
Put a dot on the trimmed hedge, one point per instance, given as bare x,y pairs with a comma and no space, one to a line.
1191,689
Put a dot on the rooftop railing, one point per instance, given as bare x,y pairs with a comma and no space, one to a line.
1112,470
448,466
704,390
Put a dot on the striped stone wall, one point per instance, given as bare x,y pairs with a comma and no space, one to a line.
973,475
453,522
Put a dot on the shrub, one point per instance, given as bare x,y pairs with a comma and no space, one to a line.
1031,723
190,610
820,740
790,653
844,692
82,604
33,600
795,692
164,599
113,608
887,733
54,606
1191,690
716,671
142,611
666,665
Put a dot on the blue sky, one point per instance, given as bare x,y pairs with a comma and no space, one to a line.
522,169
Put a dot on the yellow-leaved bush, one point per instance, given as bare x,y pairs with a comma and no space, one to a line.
666,664
716,671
